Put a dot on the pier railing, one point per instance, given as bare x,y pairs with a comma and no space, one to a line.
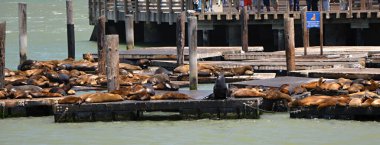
167,10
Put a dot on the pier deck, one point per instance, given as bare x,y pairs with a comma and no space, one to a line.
134,110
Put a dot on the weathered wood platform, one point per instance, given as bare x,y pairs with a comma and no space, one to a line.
336,112
267,66
211,79
134,110
26,107
170,53
275,82
335,73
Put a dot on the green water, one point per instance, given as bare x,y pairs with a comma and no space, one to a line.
47,40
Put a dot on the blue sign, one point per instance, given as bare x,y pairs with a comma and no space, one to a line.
313,20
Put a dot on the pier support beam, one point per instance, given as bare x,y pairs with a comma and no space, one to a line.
70,29
23,38
112,62
289,41
278,39
101,45
244,29
129,32
192,32
359,40
180,37
2,53
233,35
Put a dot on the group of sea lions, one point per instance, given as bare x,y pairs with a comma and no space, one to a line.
359,93
211,70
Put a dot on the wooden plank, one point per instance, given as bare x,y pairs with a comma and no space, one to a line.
112,62
2,52
23,38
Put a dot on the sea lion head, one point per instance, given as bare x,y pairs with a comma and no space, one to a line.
144,63
26,65
220,88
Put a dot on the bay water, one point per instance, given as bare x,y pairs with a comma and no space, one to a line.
47,40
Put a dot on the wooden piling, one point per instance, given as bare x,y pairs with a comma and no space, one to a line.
101,45
171,12
147,13
350,8
112,62
2,53
70,29
321,33
23,37
180,37
192,32
129,32
305,31
244,30
182,3
289,41
159,11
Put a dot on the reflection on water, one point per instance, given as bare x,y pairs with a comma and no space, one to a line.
270,129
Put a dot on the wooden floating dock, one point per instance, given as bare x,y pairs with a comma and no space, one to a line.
27,107
275,82
336,112
334,73
170,53
211,79
135,110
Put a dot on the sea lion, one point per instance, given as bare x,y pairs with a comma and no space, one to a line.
376,103
364,94
373,86
345,83
103,97
3,94
355,87
8,72
31,72
38,80
247,92
171,96
355,102
45,94
88,57
274,94
220,88
127,66
299,90
284,88
322,101
367,102
144,63
242,70
329,86
70,100
162,70
312,85
182,69
159,79
26,65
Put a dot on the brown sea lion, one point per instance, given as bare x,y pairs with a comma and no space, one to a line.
70,100
103,97
144,63
88,57
355,87
364,94
8,72
376,103
322,101
367,102
242,70
45,94
345,83
312,85
274,94
247,92
355,102
299,90
127,66
330,86
3,94
284,88
171,96
31,72
372,87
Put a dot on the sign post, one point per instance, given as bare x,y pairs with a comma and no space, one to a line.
315,20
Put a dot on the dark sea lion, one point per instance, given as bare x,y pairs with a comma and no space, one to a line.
26,65
38,80
103,97
299,90
144,63
70,100
162,70
158,79
170,86
171,96
205,73
220,88
285,88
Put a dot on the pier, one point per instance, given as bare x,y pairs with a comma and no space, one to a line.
221,24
